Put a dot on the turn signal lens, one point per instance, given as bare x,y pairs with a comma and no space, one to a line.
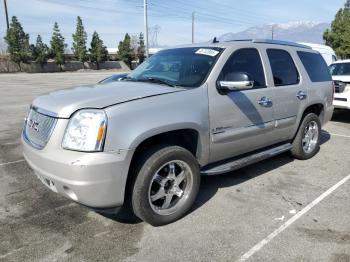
101,132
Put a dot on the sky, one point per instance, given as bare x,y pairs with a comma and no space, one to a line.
172,18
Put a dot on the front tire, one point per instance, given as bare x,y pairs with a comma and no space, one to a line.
166,184
307,141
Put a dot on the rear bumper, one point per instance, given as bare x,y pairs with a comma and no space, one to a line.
96,180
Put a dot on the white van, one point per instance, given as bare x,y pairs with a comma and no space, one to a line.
327,52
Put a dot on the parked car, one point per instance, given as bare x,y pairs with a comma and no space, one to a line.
326,52
340,72
189,111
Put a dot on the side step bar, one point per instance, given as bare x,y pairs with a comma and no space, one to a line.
245,161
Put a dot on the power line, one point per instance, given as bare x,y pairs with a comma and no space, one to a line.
156,13
205,14
227,10
97,9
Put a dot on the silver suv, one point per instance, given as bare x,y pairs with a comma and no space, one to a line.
145,140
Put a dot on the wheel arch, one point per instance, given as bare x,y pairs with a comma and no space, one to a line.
316,108
189,138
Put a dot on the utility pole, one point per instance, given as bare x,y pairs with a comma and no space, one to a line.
272,31
7,16
146,26
192,27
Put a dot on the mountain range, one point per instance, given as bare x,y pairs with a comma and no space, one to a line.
299,31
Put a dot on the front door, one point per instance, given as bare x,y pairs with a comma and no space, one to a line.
241,121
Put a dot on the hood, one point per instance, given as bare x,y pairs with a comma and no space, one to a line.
344,78
65,102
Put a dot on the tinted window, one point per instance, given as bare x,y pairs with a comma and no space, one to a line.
340,69
315,66
245,61
283,68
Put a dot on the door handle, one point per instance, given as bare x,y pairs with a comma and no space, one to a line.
265,101
301,95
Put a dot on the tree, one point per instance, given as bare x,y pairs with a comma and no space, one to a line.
18,43
79,42
338,36
125,52
98,52
141,49
40,52
57,46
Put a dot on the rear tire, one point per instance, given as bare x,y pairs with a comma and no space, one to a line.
307,141
166,184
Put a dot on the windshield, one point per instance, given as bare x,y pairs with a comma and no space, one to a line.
186,67
340,69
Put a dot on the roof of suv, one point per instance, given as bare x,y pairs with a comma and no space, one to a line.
274,42
224,44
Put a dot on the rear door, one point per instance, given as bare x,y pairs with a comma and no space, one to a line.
239,121
290,92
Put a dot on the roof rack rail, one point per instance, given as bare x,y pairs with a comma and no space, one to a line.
279,42
240,40
270,41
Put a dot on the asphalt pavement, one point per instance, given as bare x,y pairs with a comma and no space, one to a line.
278,210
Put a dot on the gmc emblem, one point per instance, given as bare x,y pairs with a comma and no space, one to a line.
33,125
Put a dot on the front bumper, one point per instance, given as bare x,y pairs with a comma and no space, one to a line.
93,179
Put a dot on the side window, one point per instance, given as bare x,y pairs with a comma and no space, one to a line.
315,66
283,68
244,61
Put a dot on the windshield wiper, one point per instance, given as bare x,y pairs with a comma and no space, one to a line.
157,80
128,78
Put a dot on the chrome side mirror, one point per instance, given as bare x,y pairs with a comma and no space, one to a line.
235,85
235,81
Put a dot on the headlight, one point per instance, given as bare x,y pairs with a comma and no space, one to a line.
86,131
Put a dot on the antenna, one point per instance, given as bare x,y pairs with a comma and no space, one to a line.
215,41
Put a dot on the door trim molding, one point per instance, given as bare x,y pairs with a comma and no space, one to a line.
228,134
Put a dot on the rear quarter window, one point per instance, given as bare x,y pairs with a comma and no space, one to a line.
315,66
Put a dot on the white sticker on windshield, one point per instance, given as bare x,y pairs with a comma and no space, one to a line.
205,51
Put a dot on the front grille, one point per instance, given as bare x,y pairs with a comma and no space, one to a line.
339,86
38,128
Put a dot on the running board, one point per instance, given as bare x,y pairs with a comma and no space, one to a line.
245,161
